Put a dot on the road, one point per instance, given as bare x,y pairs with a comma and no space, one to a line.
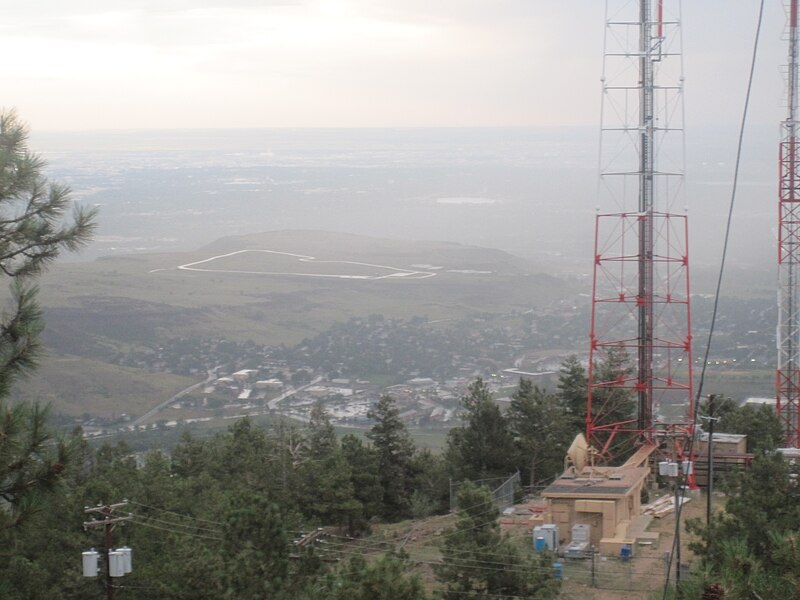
211,376
273,404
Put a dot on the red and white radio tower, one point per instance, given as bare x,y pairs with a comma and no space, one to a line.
788,374
640,298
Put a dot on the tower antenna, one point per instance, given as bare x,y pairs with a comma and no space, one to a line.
788,373
640,371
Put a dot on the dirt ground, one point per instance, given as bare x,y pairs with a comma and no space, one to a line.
642,578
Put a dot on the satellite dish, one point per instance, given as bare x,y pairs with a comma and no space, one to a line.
578,453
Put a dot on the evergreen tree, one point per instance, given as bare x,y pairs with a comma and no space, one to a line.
572,390
243,462
614,401
479,561
482,447
321,437
363,465
33,232
188,455
751,546
431,485
760,424
395,451
31,463
540,428
327,493
383,579
257,548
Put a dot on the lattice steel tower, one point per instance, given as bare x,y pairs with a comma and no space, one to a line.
640,298
788,374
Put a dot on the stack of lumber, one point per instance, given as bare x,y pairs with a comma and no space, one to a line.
663,506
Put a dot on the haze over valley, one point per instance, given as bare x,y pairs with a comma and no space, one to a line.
380,300
276,237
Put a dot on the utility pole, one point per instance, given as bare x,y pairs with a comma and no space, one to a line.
108,522
711,420
678,498
678,472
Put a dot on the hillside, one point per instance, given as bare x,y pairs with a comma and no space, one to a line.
75,386
275,298
273,288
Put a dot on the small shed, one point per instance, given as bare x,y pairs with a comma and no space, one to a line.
724,443
729,453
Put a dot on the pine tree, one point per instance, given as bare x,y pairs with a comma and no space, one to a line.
321,437
614,401
33,232
760,424
752,545
540,427
327,493
382,579
482,447
572,390
257,548
479,561
395,451
363,464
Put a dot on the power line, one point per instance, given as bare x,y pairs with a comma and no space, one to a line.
175,513
478,564
173,524
679,508
195,535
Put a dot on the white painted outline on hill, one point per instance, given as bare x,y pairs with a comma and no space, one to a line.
398,272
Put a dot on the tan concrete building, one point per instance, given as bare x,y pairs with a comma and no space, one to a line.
605,498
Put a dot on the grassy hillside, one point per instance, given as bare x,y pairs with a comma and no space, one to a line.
135,298
95,309
75,386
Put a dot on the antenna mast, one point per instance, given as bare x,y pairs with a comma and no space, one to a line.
640,372
788,373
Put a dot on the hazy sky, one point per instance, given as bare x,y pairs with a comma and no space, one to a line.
129,64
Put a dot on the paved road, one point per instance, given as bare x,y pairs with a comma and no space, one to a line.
211,376
273,404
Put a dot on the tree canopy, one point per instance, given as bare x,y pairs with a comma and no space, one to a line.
34,230
482,448
395,452
750,549
541,429
479,561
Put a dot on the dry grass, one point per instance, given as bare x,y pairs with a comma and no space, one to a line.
642,578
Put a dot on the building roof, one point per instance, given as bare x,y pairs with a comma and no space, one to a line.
758,401
723,438
597,482
790,452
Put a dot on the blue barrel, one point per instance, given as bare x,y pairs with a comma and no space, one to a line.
625,552
558,570
539,544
